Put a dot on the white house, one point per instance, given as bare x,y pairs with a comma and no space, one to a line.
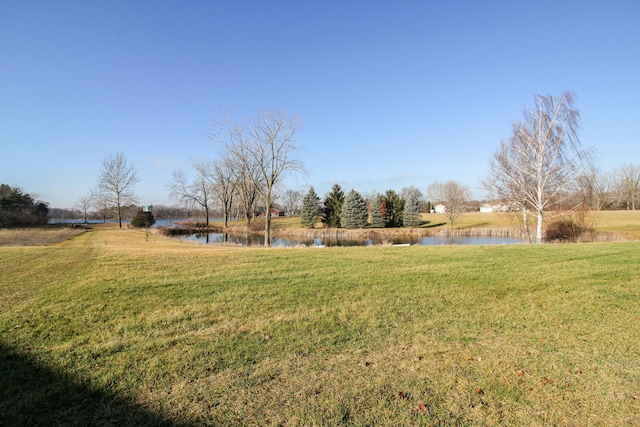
440,208
486,208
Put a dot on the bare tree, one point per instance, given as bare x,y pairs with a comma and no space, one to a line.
538,168
452,195
264,152
628,184
595,187
84,204
197,192
116,182
273,148
236,157
224,186
292,200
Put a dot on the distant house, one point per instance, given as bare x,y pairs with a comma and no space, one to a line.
274,212
486,208
440,208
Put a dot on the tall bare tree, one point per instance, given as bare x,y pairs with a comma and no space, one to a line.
198,192
224,186
538,168
453,195
116,181
595,187
264,151
84,204
245,171
292,200
628,184
273,148
236,157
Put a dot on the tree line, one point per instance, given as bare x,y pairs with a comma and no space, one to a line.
539,171
19,209
352,210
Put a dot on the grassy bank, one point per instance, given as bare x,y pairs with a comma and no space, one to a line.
109,328
612,225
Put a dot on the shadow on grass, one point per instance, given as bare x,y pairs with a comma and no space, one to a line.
33,395
429,224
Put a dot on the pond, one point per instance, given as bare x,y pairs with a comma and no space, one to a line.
258,240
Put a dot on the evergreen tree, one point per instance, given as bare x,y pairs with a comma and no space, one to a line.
143,219
333,207
395,207
354,211
411,213
18,209
311,209
378,213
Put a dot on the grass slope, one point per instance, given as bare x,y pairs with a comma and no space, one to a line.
108,328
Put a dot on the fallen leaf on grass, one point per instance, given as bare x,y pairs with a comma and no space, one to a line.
544,381
403,395
422,408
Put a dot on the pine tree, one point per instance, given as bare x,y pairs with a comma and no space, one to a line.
143,219
378,213
333,207
395,207
311,209
354,211
411,214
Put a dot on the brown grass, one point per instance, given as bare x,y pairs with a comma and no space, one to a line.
43,236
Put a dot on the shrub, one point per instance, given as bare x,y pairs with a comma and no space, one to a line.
143,219
573,228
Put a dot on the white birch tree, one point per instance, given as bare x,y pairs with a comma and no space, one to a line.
538,168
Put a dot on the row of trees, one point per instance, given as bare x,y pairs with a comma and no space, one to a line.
253,159
540,170
355,211
619,189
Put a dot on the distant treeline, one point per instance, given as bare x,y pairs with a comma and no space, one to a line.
129,212
18,209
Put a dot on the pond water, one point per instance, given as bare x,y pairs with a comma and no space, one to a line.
258,240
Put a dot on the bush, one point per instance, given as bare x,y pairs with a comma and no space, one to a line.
570,229
143,219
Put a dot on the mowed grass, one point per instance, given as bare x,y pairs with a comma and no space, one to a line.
111,329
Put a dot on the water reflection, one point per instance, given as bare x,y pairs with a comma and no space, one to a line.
258,240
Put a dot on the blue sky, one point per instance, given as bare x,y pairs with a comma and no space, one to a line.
391,94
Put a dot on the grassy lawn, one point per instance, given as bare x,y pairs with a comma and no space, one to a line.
110,329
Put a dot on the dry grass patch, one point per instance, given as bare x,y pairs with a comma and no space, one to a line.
45,236
624,223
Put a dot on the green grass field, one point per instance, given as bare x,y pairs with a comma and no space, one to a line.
110,329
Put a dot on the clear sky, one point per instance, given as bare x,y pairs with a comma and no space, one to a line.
391,93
